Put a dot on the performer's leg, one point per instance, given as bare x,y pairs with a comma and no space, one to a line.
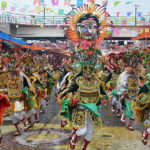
88,135
123,118
129,114
63,122
130,127
34,112
47,99
113,103
118,109
15,122
41,109
77,134
29,119
145,135
21,117
0,136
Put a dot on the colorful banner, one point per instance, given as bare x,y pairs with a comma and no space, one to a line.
15,5
66,2
116,21
105,2
132,19
117,31
37,2
116,3
79,3
91,1
117,14
55,2
139,14
61,12
124,22
129,14
22,10
12,9
4,4
146,30
129,2
122,17
26,7
72,12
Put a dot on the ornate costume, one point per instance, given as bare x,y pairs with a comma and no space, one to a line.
81,99
142,108
128,86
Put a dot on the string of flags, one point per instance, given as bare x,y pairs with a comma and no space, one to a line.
38,7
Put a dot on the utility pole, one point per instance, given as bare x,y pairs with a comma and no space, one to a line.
44,13
136,6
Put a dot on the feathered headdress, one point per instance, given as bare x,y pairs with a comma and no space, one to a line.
95,11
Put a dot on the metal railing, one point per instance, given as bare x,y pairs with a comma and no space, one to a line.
31,19
60,20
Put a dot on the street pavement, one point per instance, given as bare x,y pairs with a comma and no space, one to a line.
48,135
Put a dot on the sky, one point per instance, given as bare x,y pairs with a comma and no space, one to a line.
123,8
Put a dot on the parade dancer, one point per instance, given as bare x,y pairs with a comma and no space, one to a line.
80,102
16,92
128,86
142,108
115,101
4,104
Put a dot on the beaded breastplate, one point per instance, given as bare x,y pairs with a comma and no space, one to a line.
14,88
43,79
88,91
2,80
132,87
32,81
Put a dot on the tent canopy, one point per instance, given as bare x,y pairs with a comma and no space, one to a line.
21,43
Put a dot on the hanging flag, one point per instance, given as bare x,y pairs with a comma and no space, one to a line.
58,21
129,14
12,9
148,13
42,1
4,4
38,9
140,22
132,19
129,2
117,31
79,3
15,5
22,10
142,18
91,1
26,7
72,12
48,9
105,2
116,21
117,14
66,2
116,3
60,12
8,15
124,22
122,17
55,2
139,14
37,2
24,17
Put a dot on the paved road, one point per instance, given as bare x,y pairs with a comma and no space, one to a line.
47,135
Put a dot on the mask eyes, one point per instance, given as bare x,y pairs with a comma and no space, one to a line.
82,26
